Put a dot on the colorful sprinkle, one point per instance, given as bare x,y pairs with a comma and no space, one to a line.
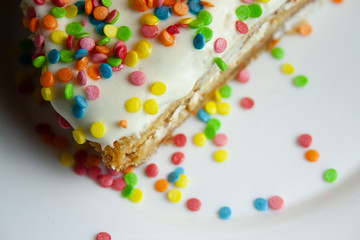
330,175
174,195
261,204
224,213
276,202
152,170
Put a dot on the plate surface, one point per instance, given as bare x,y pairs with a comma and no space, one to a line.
42,199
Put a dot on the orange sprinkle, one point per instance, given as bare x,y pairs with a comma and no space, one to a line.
161,185
167,39
49,22
103,49
140,5
65,75
123,123
180,8
47,79
169,2
312,155
272,44
207,4
60,142
93,72
128,169
150,3
66,1
100,13
305,29
82,64
89,7
93,160
26,22
34,25
338,1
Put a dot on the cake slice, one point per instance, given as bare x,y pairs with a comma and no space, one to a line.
125,74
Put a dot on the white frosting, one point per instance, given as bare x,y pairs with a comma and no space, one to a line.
179,67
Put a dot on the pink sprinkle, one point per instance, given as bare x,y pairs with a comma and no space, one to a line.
96,3
80,156
63,123
112,15
193,204
87,43
242,27
173,29
94,172
220,45
70,42
243,76
180,140
92,92
150,31
220,140
119,44
177,158
152,170
118,68
305,140
112,172
80,169
276,202
247,1
81,78
83,23
247,103
103,236
159,3
118,184
137,78
39,40
120,51
99,58
105,180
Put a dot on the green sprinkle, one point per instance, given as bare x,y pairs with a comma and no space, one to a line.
300,81
207,32
124,33
104,41
66,56
69,91
82,35
131,179
330,175
205,16
116,18
26,44
128,191
225,91
58,12
221,64
243,12
255,10
106,3
214,122
114,61
197,23
39,61
210,132
278,53
74,28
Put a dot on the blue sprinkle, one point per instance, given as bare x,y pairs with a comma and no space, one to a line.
195,6
199,41
100,29
163,12
105,70
225,213
77,111
94,21
261,204
54,56
173,177
179,170
79,54
203,116
81,102
81,7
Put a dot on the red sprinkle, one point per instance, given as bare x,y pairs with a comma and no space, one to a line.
58,3
120,51
180,140
152,170
193,204
220,45
305,140
103,236
112,15
173,29
94,172
70,42
63,123
118,184
242,27
105,180
80,169
177,158
39,2
276,202
113,172
150,31
247,103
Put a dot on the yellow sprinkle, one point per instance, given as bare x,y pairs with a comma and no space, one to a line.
151,107
287,68
133,105
131,59
186,20
71,11
183,181
218,96
263,1
158,88
223,108
174,195
137,196
67,158
58,37
48,94
221,156
98,129
44,68
149,19
79,135
200,139
110,30
143,48
210,107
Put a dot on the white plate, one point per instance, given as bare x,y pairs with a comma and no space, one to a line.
42,199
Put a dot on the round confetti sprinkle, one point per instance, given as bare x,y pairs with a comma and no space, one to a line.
223,108
152,170
151,107
221,155
261,204
67,158
118,184
330,175
161,185
131,178
224,213
220,45
137,196
105,180
158,88
183,180
287,68
179,170
180,140
200,139
203,116
278,53
80,169
255,10
276,202
103,236
193,204
300,81
98,129
225,91
207,32
199,41
220,140
124,33
312,156
137,78
214,122
210,132
133,105
173,177
210,107
128,191
247,103
243,12
243,76
305,140
177,158
174,195
94,172
242,27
